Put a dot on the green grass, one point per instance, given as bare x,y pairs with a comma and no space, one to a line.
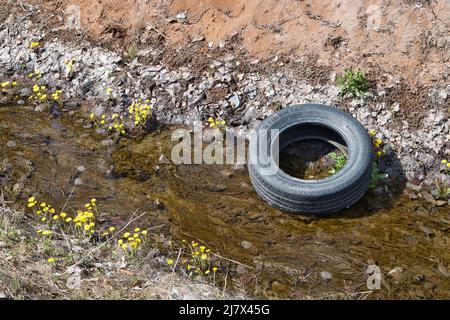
354,83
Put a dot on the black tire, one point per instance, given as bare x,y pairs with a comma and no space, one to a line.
311,121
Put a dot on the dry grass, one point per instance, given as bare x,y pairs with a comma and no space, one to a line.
25,272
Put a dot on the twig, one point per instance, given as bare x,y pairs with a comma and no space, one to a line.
234,261
68,198
104,243
173,270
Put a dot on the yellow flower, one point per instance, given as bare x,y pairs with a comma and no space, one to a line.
87,227
444,161
210,119
63,214
44,219
31,204
31,199
120,242
109,90
68,219
169,262
214,269
51,260
111,229
91,116
137,229
34,44
203,257
136,235
55,217
448,165
207,271
126,234
144,232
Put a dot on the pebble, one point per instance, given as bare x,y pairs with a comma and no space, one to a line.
11,144
246,244
325,275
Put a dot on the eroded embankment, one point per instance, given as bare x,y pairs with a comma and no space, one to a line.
414,126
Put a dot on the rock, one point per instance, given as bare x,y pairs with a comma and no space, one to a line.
226,173
240,269
270,91
11,144
40,108
395,271
325,275
81,169
182,17
107,142
235,101
18,187
419,278
413,187
246,244
197,38
250,114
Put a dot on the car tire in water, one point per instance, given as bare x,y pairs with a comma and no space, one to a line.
302,122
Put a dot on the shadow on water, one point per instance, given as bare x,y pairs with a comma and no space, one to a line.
286,254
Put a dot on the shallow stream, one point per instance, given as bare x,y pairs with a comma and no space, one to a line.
285,255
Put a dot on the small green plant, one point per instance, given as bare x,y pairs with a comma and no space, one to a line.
376,176
354,83
339,162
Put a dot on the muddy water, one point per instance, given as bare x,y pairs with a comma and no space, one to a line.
286,254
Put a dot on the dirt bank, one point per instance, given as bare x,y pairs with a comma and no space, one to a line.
407,38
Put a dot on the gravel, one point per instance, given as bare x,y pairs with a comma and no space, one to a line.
177,99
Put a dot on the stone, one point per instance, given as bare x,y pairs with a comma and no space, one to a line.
250,114
235,101
246,244
11,144
325,275
182,17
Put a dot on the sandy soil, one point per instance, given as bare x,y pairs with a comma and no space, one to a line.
409,38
